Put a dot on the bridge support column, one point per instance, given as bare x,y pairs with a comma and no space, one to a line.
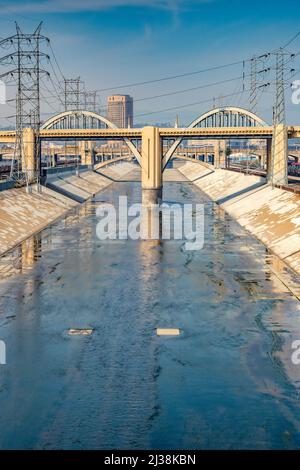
90,153
81,151
219,153
279,156
28,154
269,158
151,166
87,153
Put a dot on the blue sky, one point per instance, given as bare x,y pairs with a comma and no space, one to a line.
116,42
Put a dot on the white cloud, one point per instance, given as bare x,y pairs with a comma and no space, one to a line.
69,6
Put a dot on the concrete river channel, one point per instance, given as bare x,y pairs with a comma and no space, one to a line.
226,382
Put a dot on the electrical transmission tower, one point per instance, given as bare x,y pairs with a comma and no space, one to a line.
278,171
72,98
253,84
258,69
72,91
90,100
278,114
25,61
279,108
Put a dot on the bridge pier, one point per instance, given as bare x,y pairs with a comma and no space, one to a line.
219,153
87,153
277,170
29,154
151,166
269,159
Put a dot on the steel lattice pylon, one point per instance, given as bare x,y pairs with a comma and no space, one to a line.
72,91
279,108
90,100
258,71
25,59
279,114
253,84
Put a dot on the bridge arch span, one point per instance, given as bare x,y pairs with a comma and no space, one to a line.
229,116
83,119
80,119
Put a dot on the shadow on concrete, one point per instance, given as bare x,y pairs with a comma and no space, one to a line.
114,180
202,176
64,192
76,186
241,192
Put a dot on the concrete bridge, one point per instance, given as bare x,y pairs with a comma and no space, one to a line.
218,124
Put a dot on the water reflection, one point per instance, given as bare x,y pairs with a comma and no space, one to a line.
226,382
21,259
31,251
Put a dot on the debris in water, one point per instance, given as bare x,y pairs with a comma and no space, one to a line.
167,331
80,331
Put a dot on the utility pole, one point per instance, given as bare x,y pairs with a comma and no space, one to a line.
25,60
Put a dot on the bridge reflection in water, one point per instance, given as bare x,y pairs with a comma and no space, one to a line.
226,382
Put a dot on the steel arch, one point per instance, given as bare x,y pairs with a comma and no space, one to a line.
60,120
229,115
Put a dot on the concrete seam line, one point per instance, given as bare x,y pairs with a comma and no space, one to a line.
284,283
292,254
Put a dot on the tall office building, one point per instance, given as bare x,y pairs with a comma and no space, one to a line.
120,110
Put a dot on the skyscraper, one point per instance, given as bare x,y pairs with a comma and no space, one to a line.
120,110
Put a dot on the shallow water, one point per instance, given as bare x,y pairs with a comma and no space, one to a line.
226,382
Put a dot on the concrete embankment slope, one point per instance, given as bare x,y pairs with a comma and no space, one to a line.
23,214
272,215
85,184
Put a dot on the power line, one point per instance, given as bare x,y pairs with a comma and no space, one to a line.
186,90
56,61
208,69
291,40
57,94
172,77
190,104
160,79
192,89
57,87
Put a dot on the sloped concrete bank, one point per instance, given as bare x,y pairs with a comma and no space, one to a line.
85,184
23,214
272,215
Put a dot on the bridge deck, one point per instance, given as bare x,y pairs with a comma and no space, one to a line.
196,132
